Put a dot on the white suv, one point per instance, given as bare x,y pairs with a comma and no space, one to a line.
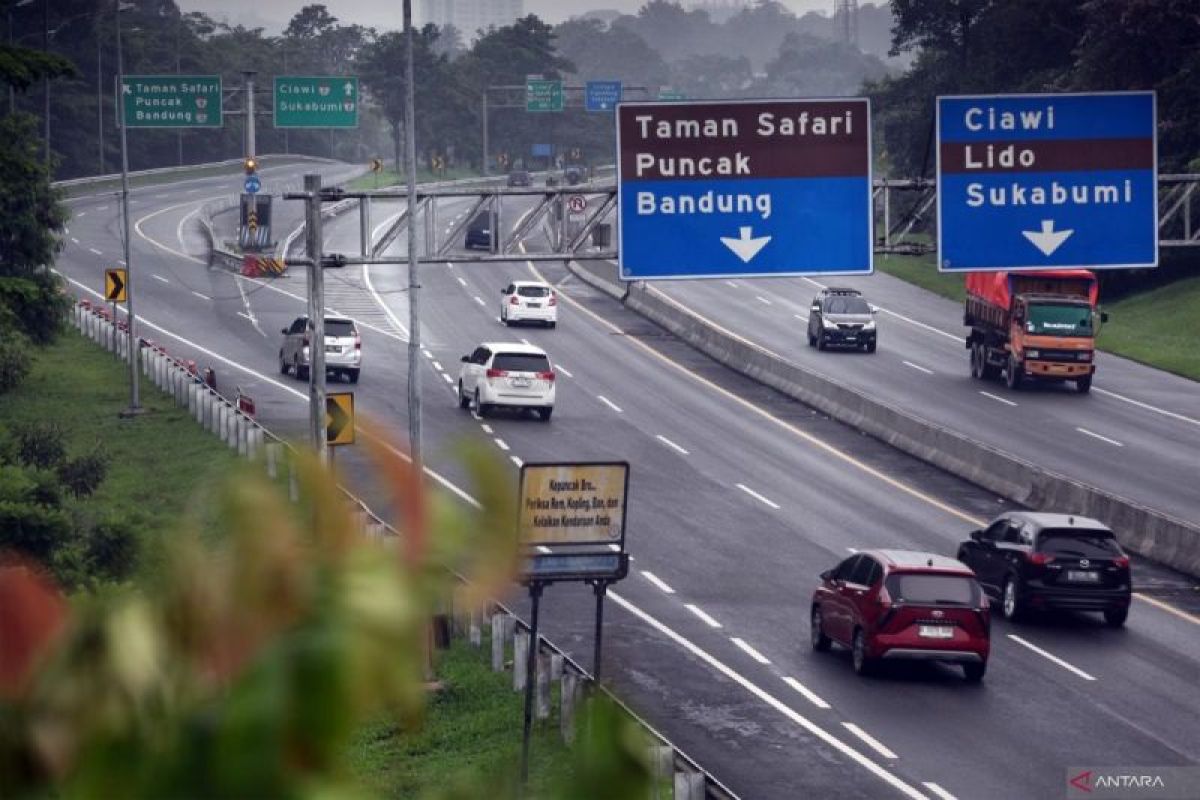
528,300
507,374
343,348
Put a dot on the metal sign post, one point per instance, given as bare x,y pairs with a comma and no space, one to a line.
314,245
1047,181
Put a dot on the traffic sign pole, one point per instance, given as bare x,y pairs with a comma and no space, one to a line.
250,143
135,406
314,244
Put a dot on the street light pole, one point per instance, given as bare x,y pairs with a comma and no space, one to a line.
100,99
135,406
46,78
414,287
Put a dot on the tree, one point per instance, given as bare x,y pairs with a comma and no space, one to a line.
602,52
31,216
942,25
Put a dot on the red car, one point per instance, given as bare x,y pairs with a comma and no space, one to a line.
896,604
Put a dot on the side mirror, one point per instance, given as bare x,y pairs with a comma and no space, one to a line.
977,535
816,306
465,359
874,309
1103,317
504,291
284,331
827,575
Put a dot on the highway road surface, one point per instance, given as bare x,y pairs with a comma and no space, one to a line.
739,498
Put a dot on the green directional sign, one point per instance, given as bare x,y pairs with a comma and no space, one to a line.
329,101
667,93
172,101
543,95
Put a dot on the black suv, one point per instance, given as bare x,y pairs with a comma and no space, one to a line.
841,317
1035,561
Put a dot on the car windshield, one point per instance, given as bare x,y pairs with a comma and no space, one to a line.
913,587
847,305
521,362
1080,544
532,291
480,222
1059,320
339,327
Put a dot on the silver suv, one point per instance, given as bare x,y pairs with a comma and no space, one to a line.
343,348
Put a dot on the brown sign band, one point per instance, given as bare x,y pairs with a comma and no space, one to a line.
1058,155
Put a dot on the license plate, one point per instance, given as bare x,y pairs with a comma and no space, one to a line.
935,632
332,348
521,382
1083,576
534,305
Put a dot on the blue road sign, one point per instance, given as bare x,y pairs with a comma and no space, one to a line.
602,95
253,184
1047,180
542,151
744,188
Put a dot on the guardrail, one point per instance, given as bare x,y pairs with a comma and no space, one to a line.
148,173
233,423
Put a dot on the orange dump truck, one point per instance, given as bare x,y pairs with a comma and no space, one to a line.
1033,325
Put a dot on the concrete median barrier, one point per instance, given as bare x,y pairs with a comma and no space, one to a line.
1145,531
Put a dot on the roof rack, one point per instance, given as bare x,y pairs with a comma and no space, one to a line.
840,290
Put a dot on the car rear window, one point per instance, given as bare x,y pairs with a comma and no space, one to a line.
847,305
480,222
933,589
1081,544
521,362
532,291
339,327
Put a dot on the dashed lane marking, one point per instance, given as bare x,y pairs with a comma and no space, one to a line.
808,694
871,741
658,582
750,651
705,618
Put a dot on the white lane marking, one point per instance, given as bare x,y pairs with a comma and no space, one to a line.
102,208
1094,435
1146,406
871,741
94,250
444,482
262,284
426,353
814,283
201,296
919,368
609,403
800,317
563,370
783,708
705,618
852,549
671,444
804,690
517,461
244,315
460,280
503,445
997,398
477,300
762,299
1051,657
400,326
750,651
486,429
66,231
386,223
929,328
650,576
73,239
81,214
437,366
246,303
159,278
757,496
541,548
938,791
732,283
448,378
137,227
183,221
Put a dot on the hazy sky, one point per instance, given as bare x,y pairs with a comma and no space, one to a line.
385,14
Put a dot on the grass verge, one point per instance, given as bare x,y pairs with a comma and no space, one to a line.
390,178
1160,327
470,742
922,271
199,171
162,462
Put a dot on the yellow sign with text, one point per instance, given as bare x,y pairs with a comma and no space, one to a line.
573,503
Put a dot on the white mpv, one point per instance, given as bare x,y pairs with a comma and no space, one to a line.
507,374
532,301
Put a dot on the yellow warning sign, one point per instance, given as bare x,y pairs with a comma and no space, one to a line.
252,221
114,285
581,503
339,418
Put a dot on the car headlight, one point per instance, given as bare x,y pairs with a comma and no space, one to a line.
828,323
1086,355
869,326
1032,353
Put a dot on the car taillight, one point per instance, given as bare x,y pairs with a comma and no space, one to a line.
1121,562
553,300
305,340
546,376
1041,559
515,301
496,373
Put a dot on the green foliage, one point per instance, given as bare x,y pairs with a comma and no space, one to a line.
41,445
15,360
21,67
33,305
83,475
32,521
31,217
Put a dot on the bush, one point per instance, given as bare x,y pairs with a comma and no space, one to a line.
36,303
42,446
111,549
15,360
82,476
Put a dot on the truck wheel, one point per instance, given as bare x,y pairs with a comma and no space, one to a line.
1084,385
1014,373
977,361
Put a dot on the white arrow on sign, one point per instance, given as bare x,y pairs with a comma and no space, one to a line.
745,247
348,88
1047,239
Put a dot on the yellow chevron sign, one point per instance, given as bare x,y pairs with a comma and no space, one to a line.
114,285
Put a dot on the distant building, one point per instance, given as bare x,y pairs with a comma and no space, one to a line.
471,16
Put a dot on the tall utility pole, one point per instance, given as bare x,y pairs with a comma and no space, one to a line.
315,245
46,79
135,406
414,287
250,144
100,97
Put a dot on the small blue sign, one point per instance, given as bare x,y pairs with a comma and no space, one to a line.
1047,181
542,151
602,95
712,189
253,184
